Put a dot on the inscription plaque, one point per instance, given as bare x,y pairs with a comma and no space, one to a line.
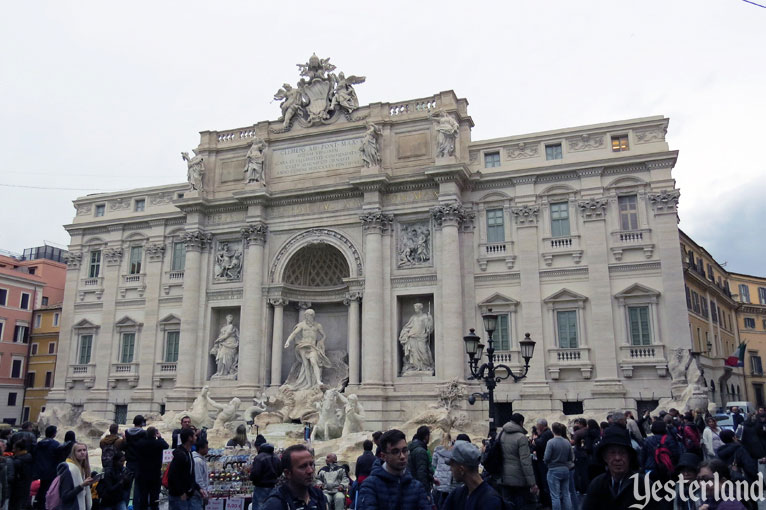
316,157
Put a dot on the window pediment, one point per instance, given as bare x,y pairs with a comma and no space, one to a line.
565,296
637,290
127,322
85,324
170,320
498,303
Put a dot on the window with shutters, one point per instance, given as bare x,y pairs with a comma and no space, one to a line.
744,293
628,206
566,328
560,219
127,347
640,329
502,335
172,339
85,349
94,267
749,323
136,253
179,256
495,226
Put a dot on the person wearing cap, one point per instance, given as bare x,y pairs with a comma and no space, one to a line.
614,489
475,494
518,479
687,468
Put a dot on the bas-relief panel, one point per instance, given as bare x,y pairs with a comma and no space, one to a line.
315,207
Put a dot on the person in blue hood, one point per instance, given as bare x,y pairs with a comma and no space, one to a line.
390,486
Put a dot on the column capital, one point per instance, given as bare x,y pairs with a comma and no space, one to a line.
278,302
112,256
593,208
451,213
73,259
376,220
526,214
664,202
155,252
197,240
254,233
352,296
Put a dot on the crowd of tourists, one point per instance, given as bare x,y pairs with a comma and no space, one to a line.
616,464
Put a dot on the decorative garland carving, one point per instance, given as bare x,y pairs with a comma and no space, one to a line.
585,142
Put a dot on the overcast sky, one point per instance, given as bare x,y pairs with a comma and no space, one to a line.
98,95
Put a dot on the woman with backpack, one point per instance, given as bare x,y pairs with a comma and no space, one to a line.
75,480
114,487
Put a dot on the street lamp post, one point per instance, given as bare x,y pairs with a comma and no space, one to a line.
488,372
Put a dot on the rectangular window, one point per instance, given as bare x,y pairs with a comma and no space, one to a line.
135,260
744,293
38,320
640,333
171,346
713,312
749,323
30,382
179,256
560,219
25,415
100,209
24,302
86,345
502,334
553,151
12,399
491,159
128,346
570,408
764,323
688,298
52,348
3,297
704,307
566,323
2,326
21,334
755,364
35,347
48,379
56,318
762,295
121,414
628,212
140,204
695,302
45,300
620,143
94,269
710,273
495,226
16,366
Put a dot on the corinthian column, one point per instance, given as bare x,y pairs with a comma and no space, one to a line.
250,345
352,301
449,216
276,341
195,242
373,223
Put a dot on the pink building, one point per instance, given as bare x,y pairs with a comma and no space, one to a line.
25,284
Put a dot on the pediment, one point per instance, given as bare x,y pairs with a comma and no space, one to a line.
85,324
127,322
637,290
495,196
171,319
498,299
564,295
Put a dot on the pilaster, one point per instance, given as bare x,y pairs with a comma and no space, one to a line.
251,344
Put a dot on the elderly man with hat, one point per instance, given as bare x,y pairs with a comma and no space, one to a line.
475,494
615,488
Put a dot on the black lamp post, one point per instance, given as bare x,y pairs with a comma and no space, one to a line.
488,372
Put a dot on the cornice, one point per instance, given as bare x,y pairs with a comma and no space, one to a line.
497,277
637,267
563,273
413,281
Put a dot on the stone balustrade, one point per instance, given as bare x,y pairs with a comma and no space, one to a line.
632,356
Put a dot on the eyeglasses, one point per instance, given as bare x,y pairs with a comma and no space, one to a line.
705,479
396,452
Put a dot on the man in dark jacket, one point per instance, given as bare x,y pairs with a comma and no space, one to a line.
181,480
754,437
418,463
475,493
45,461
22,477
27,434
614,489
732,452
518,479
149,474
185,424
298,491
390,486
544,434
364,462
132,436
264,474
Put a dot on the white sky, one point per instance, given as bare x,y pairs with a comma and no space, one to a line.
98,95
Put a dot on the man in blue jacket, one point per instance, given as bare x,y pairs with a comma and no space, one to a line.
298,491
390,486
475,493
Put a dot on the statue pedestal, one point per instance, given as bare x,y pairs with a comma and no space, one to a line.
372,170
255,185
446,160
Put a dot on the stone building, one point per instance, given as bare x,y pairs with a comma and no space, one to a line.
360,213
712,313
41,366
750,292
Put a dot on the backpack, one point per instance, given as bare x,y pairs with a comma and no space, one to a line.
52,497
691,438
165,481
493,459
662,458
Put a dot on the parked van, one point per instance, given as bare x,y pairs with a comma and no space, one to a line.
745,408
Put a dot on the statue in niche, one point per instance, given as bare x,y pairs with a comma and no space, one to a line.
447,129
354,421
254,162
414,337
195,170
369,147
415,245
228,263
309,351
345,95
227,414
225,349
200,409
